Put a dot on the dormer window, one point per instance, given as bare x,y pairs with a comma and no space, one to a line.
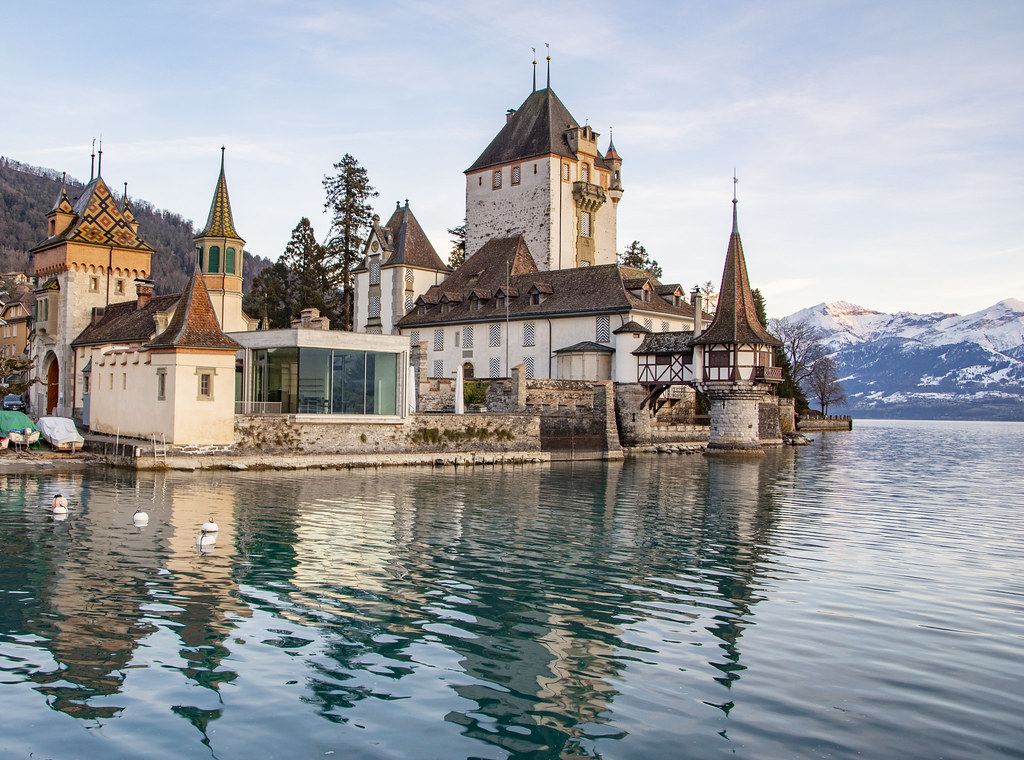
499,301
645,295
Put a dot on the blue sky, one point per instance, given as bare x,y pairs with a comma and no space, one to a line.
879,145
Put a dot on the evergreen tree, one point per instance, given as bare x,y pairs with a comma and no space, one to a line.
310,281
636,256
788,388
270,298
458,252
348,199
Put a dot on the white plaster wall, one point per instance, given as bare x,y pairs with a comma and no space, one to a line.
360,309
202,421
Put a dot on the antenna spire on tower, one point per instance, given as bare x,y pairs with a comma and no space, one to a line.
534,69
99,166
549,64
92,161
222,158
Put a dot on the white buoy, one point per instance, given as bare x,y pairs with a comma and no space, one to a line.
208,528
206,542
60,516
140,518
59,505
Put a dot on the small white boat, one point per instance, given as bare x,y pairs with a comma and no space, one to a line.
60,433
19,438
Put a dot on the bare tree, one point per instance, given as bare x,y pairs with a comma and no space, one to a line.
709,296
802,344
823,383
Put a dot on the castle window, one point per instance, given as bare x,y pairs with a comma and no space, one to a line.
529,334
495,366
375,271
124,380
438,368
535,168
229,261
515,175
530,368
414,337
409,276
119,287
161,384
496,179
458,337
494,335
374,307
585,172
408,304
585,224
480,180
649,325
439,340
94,284
200,257
565,172
205,384
467,337
604,334
664,326
85,383
214,259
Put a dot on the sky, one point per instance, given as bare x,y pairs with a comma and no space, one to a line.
878,146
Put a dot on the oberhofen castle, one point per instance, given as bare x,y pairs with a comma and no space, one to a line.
579,350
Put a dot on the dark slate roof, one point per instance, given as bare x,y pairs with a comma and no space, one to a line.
666,343
630,326
62,203
96,220
194,324
220,223
736,317
409,244
536,129
125,322
586,290
585,346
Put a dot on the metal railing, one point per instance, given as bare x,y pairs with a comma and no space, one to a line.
258,407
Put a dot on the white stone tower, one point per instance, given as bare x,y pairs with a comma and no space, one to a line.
544,178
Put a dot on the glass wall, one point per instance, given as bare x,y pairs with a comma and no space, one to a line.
326,381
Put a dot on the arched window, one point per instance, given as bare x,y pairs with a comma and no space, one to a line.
229,260
214,259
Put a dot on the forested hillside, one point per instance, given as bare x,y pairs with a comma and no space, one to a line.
28,192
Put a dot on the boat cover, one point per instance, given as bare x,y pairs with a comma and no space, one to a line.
60,431
15,421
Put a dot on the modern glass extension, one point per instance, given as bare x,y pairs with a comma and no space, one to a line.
300,380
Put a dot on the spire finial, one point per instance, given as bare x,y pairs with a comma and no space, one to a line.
99,164
549,64
222,158
735,223
92,161
534,69
125,192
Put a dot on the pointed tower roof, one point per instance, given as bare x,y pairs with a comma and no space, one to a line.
194,324
536,129
97,221
220,222
736,317
62,204
409,243
611,154
126,207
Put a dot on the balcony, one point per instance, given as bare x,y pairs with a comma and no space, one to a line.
768,374
588,197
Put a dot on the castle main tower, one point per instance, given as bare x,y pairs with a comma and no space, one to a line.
543,177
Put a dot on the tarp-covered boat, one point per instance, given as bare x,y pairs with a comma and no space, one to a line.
61,433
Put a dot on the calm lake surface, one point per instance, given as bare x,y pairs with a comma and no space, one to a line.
860,597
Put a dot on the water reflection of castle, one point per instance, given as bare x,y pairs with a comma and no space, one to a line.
540,602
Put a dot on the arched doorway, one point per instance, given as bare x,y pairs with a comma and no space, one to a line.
467,370
52,384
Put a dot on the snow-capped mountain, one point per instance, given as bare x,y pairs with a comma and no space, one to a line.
927,365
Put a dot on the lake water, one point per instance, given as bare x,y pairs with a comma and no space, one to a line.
860,597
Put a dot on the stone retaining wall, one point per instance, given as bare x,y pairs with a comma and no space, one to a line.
824,423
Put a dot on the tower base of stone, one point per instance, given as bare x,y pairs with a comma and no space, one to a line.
734,419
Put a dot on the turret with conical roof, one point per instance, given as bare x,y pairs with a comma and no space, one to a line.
219,255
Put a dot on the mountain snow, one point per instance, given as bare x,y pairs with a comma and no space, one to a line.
927,365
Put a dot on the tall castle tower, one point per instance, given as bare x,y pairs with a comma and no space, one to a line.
219,251
89,260
544,178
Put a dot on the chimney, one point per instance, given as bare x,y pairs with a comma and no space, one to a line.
144,291
508,115
697,301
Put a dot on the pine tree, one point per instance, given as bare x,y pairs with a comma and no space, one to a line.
348,199
636,256
458,252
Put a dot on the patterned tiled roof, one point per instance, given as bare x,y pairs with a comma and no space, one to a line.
62,204
220,223
536,129
194,324
97,221
736,317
